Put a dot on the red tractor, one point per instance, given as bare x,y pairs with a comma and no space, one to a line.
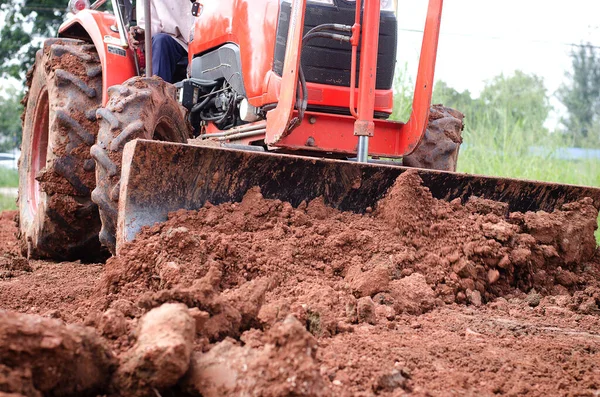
266,79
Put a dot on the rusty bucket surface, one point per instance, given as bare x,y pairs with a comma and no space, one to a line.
160,177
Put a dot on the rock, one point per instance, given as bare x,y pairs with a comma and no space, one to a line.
502,231
474,297
50,358
248,299
161,355
384,311
285,366
504,262
566,278
128,308
390,382
412,294
493,276
113,324
500,304
520,256
533,299
369,282
366,310
465,268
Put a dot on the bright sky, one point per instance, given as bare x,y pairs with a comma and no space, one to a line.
482,38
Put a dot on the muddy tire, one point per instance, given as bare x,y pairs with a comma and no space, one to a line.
439,147
143,108
57,218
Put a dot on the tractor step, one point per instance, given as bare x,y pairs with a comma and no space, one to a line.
160,177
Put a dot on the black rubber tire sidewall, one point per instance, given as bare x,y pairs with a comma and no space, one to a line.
66,223
133,111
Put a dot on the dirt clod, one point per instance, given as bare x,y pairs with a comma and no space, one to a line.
44,356
284,366
365,309
161,355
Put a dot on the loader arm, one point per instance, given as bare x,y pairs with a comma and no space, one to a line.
394,139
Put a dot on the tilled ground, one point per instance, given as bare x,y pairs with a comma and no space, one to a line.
416,297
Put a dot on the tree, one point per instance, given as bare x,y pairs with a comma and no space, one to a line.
461,101
10,122
520,99
26,23
509,115
581,96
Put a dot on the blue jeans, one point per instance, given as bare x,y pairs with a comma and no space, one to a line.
167,54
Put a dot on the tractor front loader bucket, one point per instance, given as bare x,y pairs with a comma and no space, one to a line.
160,177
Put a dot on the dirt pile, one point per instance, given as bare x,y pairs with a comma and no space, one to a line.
411,253
416,295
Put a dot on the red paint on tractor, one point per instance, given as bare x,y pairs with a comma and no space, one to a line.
39,150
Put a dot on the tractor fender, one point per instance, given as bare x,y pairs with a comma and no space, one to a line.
118,62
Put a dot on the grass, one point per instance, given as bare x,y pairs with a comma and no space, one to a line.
9,177
475,160
7,203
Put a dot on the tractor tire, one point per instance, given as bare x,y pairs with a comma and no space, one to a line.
57,218
439,147
144,108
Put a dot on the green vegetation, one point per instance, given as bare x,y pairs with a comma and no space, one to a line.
7,203
10,122
581,96
505,135
9,177
25,23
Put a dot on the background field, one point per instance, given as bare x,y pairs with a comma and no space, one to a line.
9,178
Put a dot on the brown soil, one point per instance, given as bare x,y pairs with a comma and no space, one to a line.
417,297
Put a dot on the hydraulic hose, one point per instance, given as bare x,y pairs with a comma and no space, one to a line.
317,32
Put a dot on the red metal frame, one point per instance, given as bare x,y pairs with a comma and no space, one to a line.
364,125
278,119
232,21
334,133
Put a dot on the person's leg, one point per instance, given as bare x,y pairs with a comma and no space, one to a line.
166,53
